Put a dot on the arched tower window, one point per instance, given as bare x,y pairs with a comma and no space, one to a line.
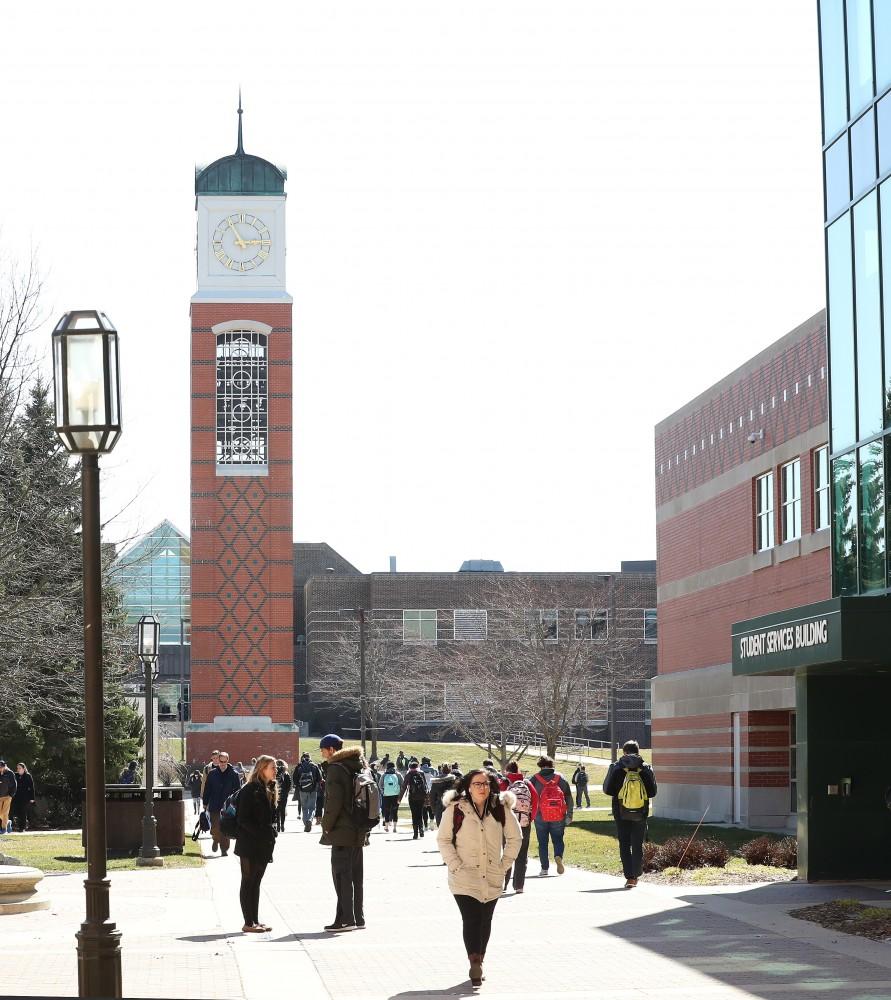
242,399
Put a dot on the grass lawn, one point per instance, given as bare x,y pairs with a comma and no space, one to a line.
171,745
63,853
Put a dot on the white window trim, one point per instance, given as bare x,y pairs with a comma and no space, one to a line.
651,642
785,504
418,621
818,489
483,617
767,514
594,613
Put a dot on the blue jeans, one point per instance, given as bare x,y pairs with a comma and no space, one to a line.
555,830
308,805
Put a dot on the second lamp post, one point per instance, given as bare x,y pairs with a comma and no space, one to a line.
148,638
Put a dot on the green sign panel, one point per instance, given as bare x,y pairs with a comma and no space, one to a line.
786,642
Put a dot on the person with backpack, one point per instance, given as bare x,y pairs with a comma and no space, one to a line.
283,782
479,839
392,785
524,809
401,762
256,811
307,777
129,775
220,783
340,830
554,812
631,783
415,788
580,780
195,791
429,772
443,782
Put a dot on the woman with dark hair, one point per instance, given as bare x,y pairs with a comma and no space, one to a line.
479,839
255,817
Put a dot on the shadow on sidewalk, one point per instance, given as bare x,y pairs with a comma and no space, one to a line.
461,990
759,960
204,938
617,888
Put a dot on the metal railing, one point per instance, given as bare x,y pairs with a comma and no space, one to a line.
568,746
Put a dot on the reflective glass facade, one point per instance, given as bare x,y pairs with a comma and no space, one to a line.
855,63
154,575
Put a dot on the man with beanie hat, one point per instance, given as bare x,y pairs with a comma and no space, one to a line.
416,788
339,831
307,778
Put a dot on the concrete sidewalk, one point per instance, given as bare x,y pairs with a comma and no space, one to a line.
576,936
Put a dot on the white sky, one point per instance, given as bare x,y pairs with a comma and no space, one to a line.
519,234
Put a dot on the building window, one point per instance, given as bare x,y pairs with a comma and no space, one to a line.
471,624
821,488
242,397
419,626
543,624
764,512
651,631
592,624
790,479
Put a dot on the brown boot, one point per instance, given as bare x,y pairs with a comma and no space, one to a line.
476,969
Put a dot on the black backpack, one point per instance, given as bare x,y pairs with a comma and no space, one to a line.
417,785
307,779
228,816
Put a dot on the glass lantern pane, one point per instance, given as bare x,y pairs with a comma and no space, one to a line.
86,391
114,415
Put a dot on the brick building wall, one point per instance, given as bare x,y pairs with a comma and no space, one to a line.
242,547
718,740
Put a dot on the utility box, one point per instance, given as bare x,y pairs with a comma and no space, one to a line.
124,810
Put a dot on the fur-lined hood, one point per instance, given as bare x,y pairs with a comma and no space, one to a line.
506,798
345,754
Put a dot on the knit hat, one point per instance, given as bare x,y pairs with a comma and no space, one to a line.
331,741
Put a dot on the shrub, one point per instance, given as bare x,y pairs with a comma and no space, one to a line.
716,854
649,856
784,853
669,854
757,851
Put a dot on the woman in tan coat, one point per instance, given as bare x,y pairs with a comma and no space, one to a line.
479,839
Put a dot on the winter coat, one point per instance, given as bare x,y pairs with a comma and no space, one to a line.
441,784
416,791
24,791
8,784
580,778
218,787
513,776
391,769
483,850
615,778
195,784
338,828
306,767
255,819
543,777
283,780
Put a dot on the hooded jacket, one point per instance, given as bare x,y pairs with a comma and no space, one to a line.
483,850
544,775
510,778
441,784
400,781
338,828
615,778
255,817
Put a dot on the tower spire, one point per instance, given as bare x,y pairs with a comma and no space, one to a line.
240,150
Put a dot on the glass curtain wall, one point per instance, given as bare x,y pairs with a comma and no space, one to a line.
855,65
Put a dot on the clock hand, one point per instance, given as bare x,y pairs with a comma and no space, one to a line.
255,242
238,239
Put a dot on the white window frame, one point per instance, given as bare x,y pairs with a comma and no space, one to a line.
537,617
585,619
418,617
655,620
468,620
764,527
790,499
821,489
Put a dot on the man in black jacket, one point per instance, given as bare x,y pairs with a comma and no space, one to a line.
8,786
631,806
340,832
307,778
23,798
221,782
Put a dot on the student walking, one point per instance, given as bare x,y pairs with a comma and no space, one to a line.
195,791
23,799
479,839
554,812
220,783
392,786
416,788
307,778
8,786
429,772
341,832
283,782
444,782
524,808
255,818
580,780
631,783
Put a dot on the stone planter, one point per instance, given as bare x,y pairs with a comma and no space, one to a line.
18,889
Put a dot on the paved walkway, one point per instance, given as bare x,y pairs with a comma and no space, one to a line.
574,936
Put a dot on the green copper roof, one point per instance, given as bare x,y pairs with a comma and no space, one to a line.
240,173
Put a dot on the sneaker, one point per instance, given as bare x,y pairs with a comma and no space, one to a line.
334,928
560,867
415,837
543,873
360,925
214,846
631,883
517,891
224,854
422,833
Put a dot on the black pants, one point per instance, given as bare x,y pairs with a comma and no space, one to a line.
390,807
346,870
417,815
632,834
252,873
438,810
427,814
477,920
519,866
281,812
19,814
581,790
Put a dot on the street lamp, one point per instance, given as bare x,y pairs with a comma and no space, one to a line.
88,421
148,638
360,613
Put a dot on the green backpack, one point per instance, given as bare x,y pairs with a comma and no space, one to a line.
633,797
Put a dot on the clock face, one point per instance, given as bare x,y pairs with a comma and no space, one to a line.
242,242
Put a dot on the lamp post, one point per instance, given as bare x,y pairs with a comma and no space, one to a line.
87,398
360,613
148,638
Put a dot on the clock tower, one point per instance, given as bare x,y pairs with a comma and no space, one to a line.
242,685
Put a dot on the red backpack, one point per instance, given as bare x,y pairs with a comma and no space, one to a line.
551,800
